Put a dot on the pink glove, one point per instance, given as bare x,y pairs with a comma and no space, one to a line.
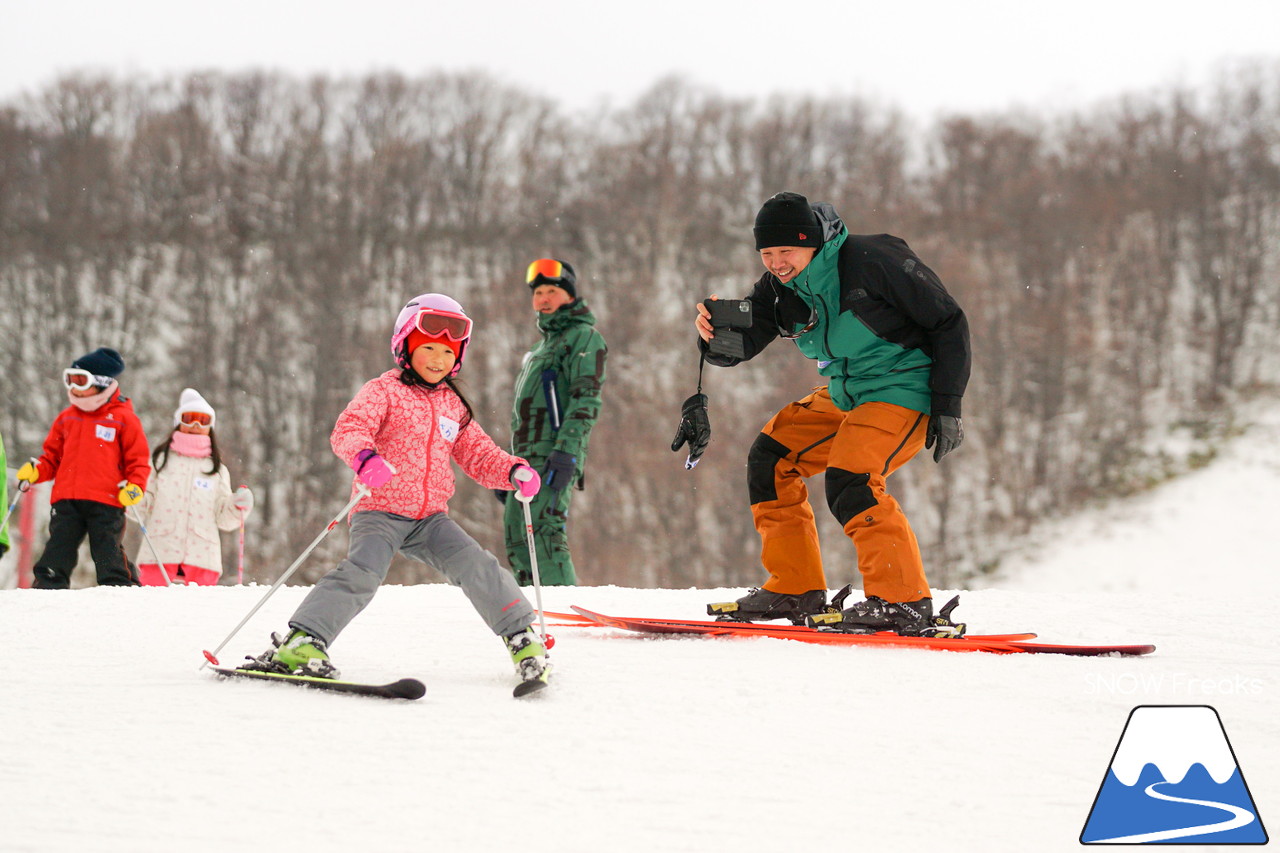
371,469
526,481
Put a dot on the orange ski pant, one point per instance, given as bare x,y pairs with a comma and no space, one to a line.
858,450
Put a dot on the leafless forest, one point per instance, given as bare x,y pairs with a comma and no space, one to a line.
252,236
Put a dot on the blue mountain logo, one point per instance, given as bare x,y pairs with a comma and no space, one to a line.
1173,779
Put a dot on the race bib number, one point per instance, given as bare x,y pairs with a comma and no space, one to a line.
448,428
105,433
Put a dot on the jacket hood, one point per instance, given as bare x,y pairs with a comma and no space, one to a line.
832,224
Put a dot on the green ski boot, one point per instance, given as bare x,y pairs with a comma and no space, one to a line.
299,653
530,657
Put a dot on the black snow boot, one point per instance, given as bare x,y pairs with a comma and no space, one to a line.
909,618
762,605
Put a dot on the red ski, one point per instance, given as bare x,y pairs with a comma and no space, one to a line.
993,643
1085,650
724,627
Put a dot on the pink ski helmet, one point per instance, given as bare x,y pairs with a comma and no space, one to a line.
433,314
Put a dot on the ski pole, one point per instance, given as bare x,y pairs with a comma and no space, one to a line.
533,557
240,557
361,492
21,488
154,554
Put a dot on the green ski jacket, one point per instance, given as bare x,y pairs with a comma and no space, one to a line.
557,399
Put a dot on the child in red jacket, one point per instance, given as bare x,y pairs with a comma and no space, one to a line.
96,454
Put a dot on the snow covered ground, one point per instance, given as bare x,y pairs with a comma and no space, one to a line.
112,739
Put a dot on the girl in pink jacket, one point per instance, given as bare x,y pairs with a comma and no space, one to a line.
400,435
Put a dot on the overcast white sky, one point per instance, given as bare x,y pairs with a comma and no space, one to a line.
924,57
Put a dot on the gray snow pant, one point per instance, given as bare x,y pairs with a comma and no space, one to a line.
436,540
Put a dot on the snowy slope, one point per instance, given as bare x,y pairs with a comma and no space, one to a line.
111,739
1212,531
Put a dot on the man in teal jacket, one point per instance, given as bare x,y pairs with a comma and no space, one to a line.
893,346
557,402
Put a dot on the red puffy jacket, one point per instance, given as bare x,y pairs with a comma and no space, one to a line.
87,454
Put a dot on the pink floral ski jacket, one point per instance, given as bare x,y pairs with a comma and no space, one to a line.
418,430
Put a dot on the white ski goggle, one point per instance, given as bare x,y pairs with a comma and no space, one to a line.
76,377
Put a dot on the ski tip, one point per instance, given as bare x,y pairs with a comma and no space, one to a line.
528,688
1123,650
410,688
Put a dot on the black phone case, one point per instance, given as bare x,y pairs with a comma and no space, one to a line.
727,343
729,313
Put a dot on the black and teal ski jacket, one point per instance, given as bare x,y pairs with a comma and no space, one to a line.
886,329
557,398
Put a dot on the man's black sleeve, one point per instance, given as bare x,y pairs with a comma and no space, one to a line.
917,291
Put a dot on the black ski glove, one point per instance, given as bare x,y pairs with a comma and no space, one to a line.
695,428
560,468
947,432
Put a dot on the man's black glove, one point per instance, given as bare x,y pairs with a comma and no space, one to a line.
501,495
695,428
560,468
947,432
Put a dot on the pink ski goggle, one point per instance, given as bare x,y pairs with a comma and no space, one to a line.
437,323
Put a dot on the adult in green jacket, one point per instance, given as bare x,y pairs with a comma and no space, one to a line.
557,402
893,346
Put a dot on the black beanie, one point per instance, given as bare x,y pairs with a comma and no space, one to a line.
787,220
567,281
103,361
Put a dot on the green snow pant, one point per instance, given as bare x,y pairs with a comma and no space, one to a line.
549,510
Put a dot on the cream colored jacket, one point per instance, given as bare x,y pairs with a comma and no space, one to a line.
183,508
